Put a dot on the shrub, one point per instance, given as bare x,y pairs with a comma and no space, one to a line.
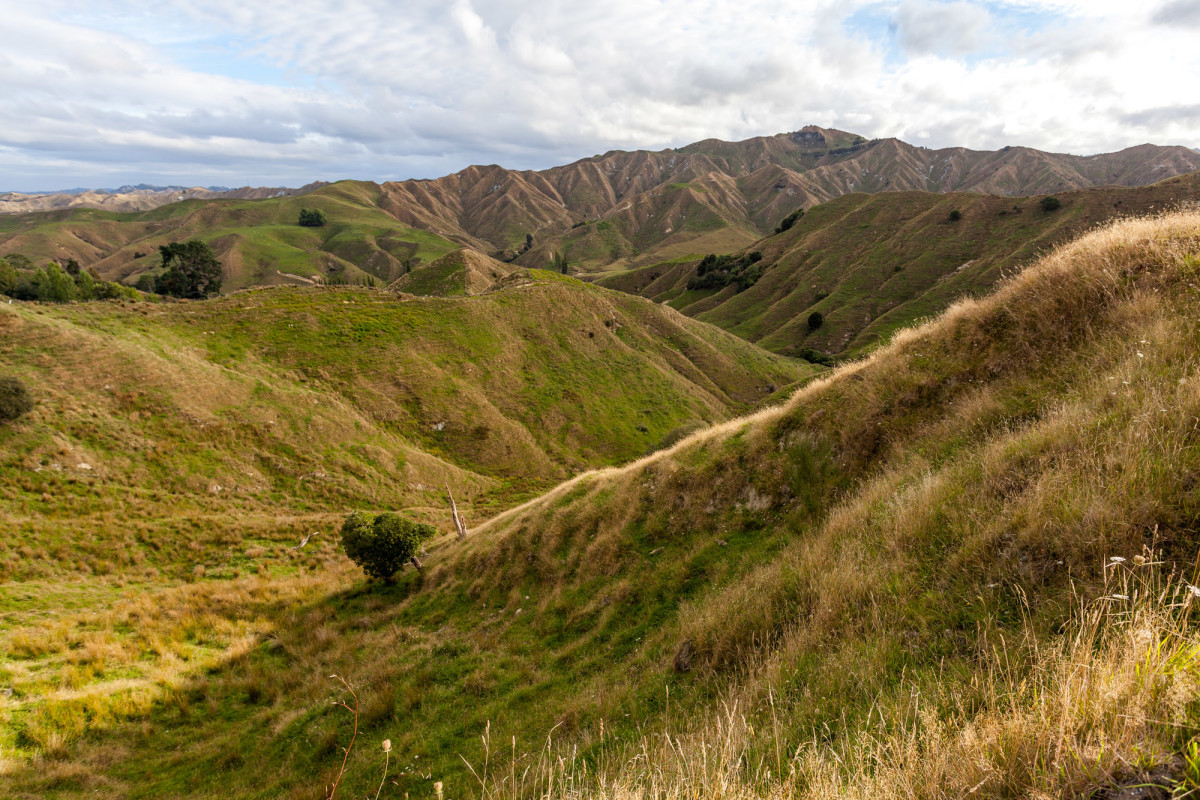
717,272
815,320
955,215
15,400
384,544
815,356
789,220
1051,203
312,217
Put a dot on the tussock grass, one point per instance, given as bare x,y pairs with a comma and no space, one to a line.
895,582
1109,702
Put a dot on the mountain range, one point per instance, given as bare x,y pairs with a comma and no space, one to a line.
624,209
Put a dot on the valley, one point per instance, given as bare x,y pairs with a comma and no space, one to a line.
819,467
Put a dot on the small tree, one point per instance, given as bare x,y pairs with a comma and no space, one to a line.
382,545
312,217
8,277
955,215
558,262
192,270
85,285
1051,203
52,285
815,320
15,400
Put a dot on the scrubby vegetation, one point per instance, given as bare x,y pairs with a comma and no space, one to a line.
717,272
15,400
54,283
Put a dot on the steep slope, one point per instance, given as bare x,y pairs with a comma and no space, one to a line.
258,241
867,586
870,264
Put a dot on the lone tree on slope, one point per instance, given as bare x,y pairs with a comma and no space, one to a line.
384,544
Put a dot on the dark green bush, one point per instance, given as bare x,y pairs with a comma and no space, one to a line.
789,220
312,217
382,545
815,356
815,320
955,215
1051,203
15,400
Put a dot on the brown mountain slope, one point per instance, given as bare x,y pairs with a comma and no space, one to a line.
634,208
873,263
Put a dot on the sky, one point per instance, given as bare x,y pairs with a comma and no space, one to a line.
273,93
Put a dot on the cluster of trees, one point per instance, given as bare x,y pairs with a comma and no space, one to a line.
56,283
717,272
312,217
189,269
558,261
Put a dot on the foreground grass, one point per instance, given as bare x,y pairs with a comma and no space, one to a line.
899,583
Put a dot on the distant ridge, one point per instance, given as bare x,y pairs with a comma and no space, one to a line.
627,209
142,197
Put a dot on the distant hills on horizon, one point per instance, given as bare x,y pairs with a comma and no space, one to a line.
492,208
140,197
606,215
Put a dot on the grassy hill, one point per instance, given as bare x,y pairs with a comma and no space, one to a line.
463,272
902,582
874,263
257,241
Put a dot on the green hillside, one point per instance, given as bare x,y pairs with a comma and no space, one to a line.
873,263
900,583
258,241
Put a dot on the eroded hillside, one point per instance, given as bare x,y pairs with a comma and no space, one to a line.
870,264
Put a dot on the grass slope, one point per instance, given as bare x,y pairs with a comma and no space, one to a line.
257,241
872,264
873,578
463,272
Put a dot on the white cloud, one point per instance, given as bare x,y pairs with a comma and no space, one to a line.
375,89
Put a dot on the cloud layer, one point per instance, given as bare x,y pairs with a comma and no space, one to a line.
234,93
